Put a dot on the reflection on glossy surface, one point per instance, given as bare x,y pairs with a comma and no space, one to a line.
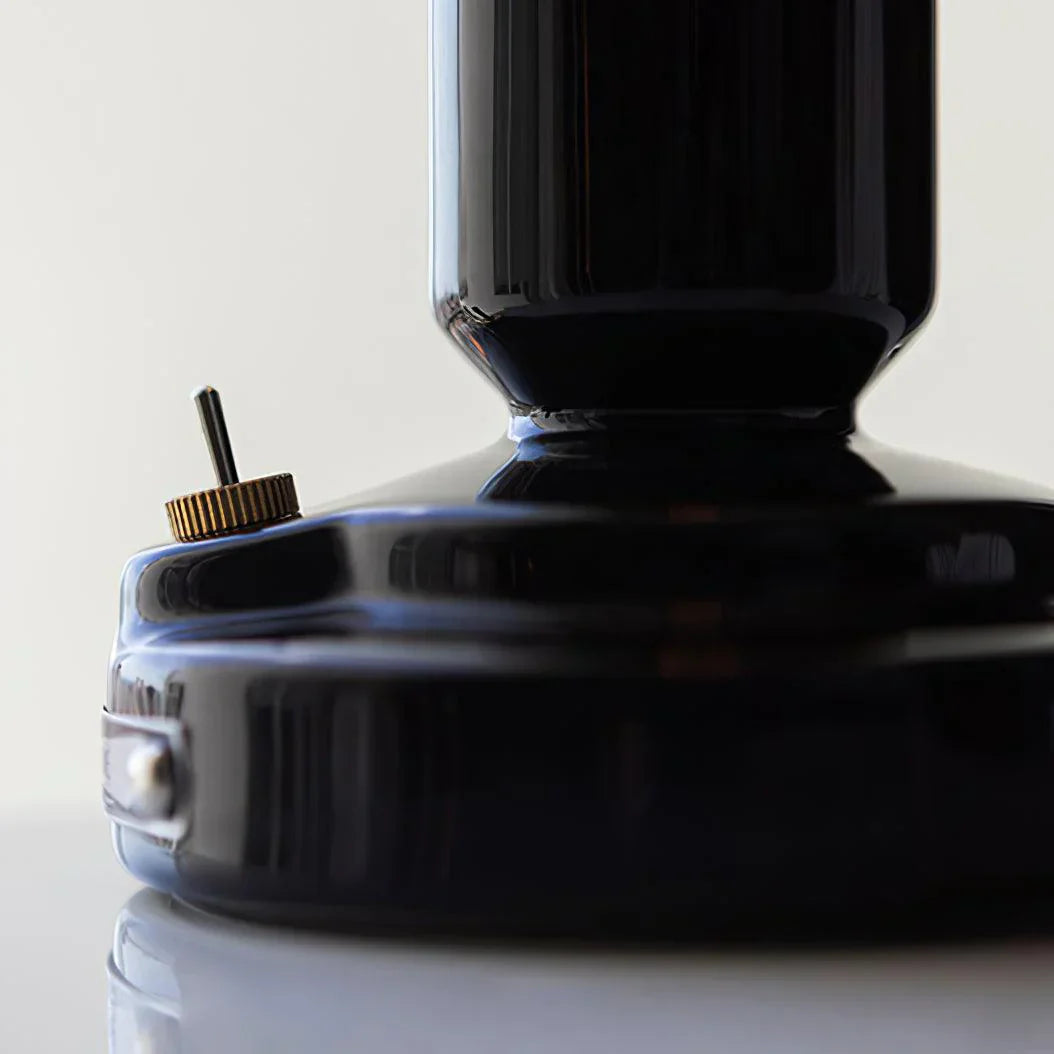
183,981
698,204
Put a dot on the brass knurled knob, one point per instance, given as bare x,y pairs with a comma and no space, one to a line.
238,507
233,506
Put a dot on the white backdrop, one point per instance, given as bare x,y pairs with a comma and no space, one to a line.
235,192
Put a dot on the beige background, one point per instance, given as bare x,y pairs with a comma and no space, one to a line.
236,192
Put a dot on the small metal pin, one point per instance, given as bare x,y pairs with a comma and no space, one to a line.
210,409
150,777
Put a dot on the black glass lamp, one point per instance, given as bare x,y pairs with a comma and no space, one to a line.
682,651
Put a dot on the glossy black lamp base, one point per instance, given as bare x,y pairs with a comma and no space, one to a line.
814,695
909,796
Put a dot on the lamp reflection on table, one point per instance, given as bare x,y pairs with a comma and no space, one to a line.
184,981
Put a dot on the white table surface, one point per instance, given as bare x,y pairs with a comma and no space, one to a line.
208,985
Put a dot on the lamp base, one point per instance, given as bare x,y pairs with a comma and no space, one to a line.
767,679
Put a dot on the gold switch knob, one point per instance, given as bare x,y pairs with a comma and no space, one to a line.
232,506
